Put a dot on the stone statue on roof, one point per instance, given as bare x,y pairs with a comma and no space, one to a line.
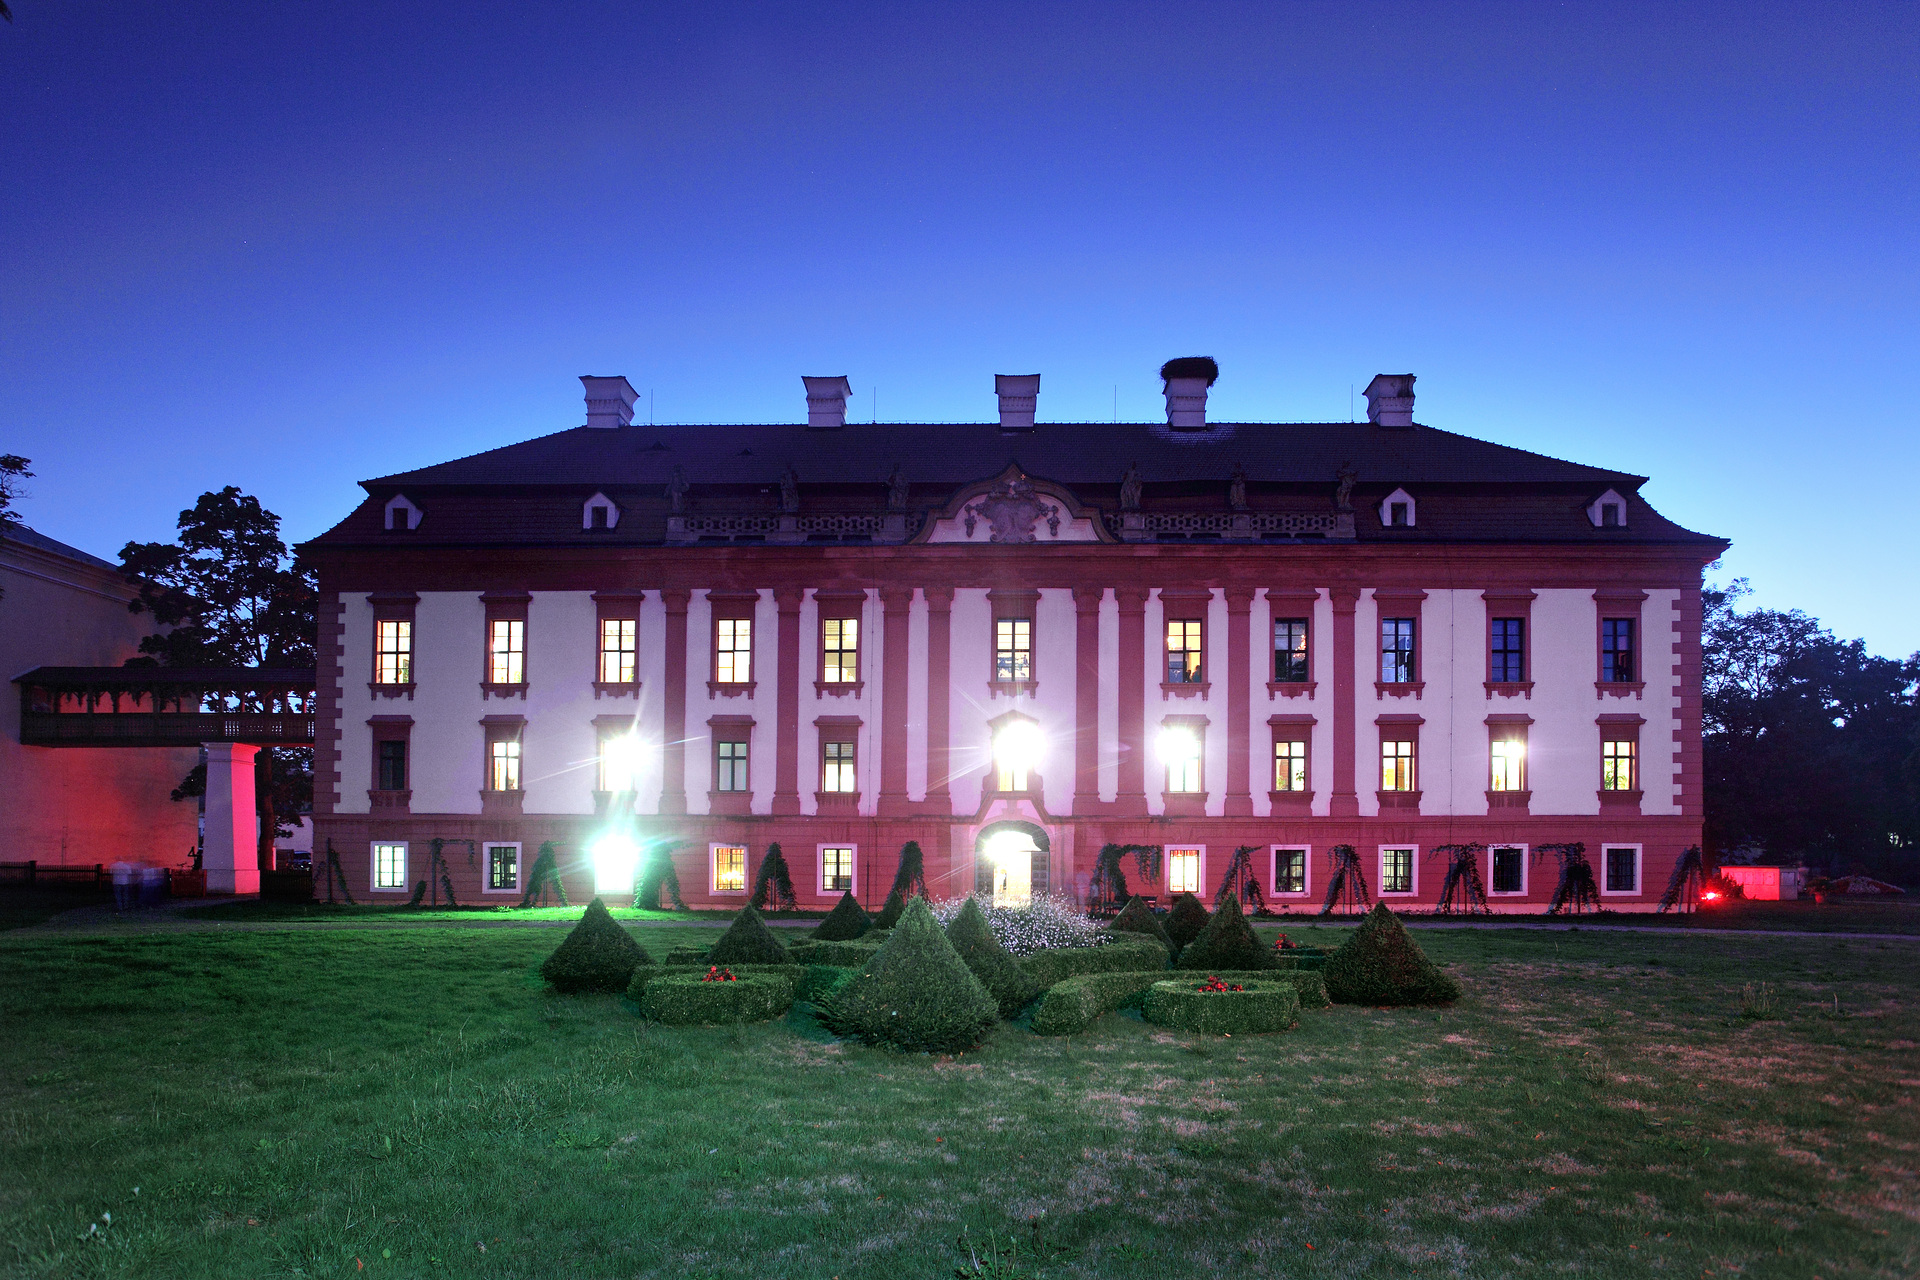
1343,489
790,490
677,491
1237,488
897,488
1130,488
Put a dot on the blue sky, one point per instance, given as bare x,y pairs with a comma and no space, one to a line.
288,246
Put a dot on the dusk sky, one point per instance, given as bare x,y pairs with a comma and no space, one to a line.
292,245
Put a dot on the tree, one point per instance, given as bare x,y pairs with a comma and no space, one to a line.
13,469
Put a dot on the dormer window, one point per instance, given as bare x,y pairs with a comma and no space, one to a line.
1397,512
599,513
401,515
1608,511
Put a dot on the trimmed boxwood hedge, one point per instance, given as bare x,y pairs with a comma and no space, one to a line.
598,955
850,954
847,921
793,975
686,1000
1381,964
748,941
1226,943
821,981
917,994
1262,1007
1072,1006
1126,953
1011,987
1185,919
1137,917
686,955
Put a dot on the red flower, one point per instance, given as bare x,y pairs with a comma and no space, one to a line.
715,973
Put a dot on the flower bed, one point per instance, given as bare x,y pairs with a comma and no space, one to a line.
1045,922
1070,1007
1122,953
691,999
1258,1007
791,976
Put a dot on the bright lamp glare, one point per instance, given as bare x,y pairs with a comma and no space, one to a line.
1178,746
616,858
1009,846
1017,746
622,761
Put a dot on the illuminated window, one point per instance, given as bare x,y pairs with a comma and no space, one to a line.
503,764
1182,750
1289,766
618,646
1396,651
1184,654
1397,760
1183,871
393,653
733,651
1013,776
1508,874
1507,650
837,772
729,868
1622,867
1509,765
1396,871
1289,870
1013,649
731,758
836,868
1290,651
1616,651
506,651
503,867
393,765
1618,766
840,647
390,866
619,759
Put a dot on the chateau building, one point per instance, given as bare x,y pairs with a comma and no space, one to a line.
1012,642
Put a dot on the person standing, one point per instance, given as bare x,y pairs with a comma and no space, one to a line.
122,885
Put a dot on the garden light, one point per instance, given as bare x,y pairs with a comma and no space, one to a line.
616,859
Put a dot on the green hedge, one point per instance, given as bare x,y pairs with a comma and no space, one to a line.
1138,918
1381,964
597,955
686,1000
1070,1007
748,941
1227,942
1186,917
851,955
792,975
822,981
1262,1007
686,955
847,921
1011,987
1126,953
916,995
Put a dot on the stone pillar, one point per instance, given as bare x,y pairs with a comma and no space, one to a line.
231,859
1345,802
1133,699
896,604
673,746
786,728
1239,691
1086,699
939,696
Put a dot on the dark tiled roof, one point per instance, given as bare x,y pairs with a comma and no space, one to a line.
27,537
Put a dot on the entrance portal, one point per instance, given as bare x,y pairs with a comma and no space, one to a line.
1010,863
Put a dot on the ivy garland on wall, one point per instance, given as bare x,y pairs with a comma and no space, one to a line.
773,878
1462,890
544,877
336,874
1347,886
657,874
1107,890
1688,879
1240,882
1576,891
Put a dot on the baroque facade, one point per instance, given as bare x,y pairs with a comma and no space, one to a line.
1012,642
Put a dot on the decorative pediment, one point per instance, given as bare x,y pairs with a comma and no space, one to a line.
1014,508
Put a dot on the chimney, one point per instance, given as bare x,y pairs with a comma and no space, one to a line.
609,401
1390,400
1187,380
827,401
1018,393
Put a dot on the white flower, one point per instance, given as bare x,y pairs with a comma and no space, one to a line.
1045,921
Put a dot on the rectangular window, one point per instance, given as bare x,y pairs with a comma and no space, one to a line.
619,759
1184,772
733,651
1507,870
1013,649
729,868
1398,514
393,653
1509,765
503,868
506,651
1396,871
1013,777
393,766
1397,760
390,866
837,772
1184,654
840,647
1290,651
1183,871
1622,869
1396,651
1618,767
1507,650
1616,651
1289,766
1289,870
732,761
503,764
836,868
618,638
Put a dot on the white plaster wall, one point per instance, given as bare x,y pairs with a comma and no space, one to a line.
970,661
446,762
1563,743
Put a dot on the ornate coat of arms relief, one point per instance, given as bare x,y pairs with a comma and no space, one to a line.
1012,510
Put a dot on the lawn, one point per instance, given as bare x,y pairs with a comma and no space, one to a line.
409,1102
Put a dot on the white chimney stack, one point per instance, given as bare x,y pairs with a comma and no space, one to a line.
1019,393
1187,380
610,401
1390,400
827,401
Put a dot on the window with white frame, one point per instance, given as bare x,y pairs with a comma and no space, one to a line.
503,868
390,865
1620,869
1397,664
1184,869
507,651
837,772
836,868
839,650
1290,651
733,650
1289,764
1507,864
730,761
1186,651
1617,665
1396,870
503,764
393,652
1509,754
1289,869
1013,649
729,868
619,650
1398,761
1617,765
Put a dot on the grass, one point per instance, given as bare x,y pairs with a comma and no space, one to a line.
1856,915
409,1102
21,907
251,910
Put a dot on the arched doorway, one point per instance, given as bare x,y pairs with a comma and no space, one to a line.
1010,862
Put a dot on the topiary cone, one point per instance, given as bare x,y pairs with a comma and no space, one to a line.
890,909
1138,917
917,994
847,921
748,941
1187,917
1226,943
1009,984
597,955
1381,964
